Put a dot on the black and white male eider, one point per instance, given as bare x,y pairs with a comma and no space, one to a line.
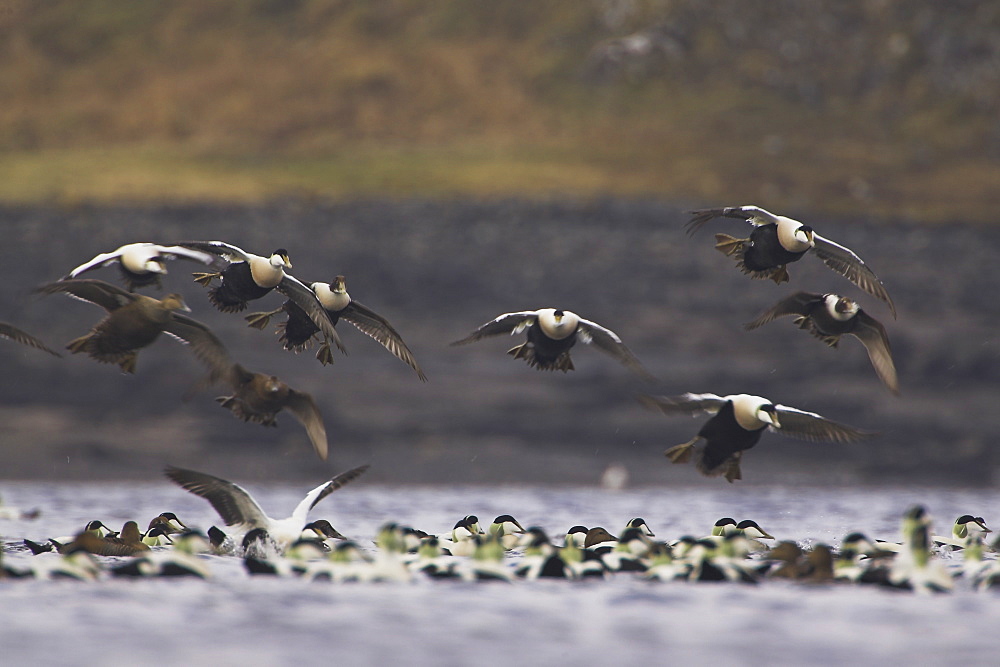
248,277
237,508
551,335
134,321
777,241
830,316
738,422
142,264
298,330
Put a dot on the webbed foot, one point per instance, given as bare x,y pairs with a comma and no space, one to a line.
681,453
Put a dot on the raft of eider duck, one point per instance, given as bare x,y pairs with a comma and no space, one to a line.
729,551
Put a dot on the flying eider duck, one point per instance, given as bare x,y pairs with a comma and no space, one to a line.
299,329
738,422
249,277
237,508
258,398
133,322
777,241
10,332
142,264
830,316
551,335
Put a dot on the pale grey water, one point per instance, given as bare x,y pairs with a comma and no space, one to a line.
233,618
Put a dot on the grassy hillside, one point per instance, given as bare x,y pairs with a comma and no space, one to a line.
879,108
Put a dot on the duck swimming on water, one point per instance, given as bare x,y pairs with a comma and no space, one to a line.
776,241
551,334
737,423
830,316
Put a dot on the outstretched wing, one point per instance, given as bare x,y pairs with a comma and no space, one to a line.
304,409
11,332
306,299
754,215
226,251
175,251
845,262
103,259
816,428
376,326
204,344
233,504
339,481
107,296
872,335
508,323
608,341
796,304
684,404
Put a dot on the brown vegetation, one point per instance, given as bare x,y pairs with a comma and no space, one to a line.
883,107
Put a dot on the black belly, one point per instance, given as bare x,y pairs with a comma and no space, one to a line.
299,328
236,289
766,252
725,437
547,350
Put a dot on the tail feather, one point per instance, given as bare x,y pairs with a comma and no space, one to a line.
526,351
221,299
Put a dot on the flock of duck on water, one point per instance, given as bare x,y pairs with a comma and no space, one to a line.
295,547
312,311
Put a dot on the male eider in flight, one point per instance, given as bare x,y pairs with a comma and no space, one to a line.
551,334
738,422
142,264
134,321
830,316
249,277
298,330
777,241
238,508
10,332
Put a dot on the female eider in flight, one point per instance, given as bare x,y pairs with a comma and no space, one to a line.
298,330
134,321
142,264
238,508
777,241
551,334
249,277
830,316
10,332
738,422
259,397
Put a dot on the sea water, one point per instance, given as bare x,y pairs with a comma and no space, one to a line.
233,618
